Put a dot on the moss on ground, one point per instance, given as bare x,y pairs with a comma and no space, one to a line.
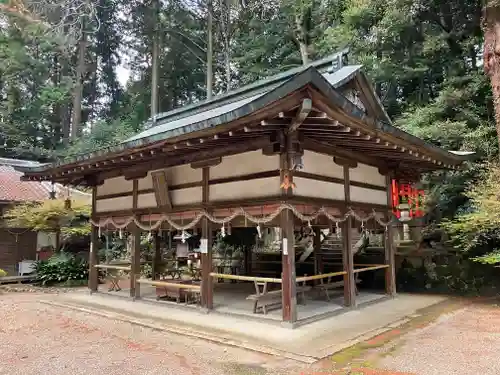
358,355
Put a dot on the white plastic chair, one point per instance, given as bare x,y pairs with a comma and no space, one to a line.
26,267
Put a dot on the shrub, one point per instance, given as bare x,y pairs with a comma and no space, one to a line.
2,273
60,268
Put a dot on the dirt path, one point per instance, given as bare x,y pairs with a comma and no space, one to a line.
453,338
464,342
36,338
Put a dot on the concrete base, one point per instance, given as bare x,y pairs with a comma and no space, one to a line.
312,341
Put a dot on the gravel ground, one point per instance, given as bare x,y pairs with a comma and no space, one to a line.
40,339
466,342
36,338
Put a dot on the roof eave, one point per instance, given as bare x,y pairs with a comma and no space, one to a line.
280,92
338,100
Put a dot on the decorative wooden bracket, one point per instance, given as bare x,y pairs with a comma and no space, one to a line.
301,115
206,163
160,186
135,173
345,162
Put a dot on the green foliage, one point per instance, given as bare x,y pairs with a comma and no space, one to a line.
2,273
52,215
477,231
61,267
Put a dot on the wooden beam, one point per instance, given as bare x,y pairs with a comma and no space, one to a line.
206,163
162,194
135,194
288,276
332,150
318,256
196,155
390,272
132,173
94,247
157,256
347,254
345,162
302,114
135,272
288,284
206,257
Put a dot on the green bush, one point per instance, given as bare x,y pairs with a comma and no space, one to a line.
60,268
2,273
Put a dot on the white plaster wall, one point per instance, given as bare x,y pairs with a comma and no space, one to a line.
183,174
186,196
306,187
146,182
246,163
114,204
114,186
146,200
321,164
367,174
261,187
365,195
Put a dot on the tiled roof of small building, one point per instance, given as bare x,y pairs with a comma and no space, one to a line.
13,189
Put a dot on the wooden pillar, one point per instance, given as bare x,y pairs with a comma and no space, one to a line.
288,283
207,286
207,299
157,257
248,261
390,272
135,264
318,256
347,254
94,245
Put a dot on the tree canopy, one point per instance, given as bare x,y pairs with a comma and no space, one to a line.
66,94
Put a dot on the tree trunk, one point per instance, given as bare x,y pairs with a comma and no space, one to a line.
78,90
210,49
226,34
154,65
491,29
301,36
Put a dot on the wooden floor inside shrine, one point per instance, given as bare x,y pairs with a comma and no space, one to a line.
230,298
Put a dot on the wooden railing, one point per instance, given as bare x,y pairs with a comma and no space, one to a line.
370,267
321,276
113,267
169,285
245,278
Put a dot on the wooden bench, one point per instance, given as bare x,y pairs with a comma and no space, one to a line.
179,289
330,285
264,299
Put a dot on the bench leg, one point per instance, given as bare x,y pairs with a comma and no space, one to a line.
255,307
264,308
327,295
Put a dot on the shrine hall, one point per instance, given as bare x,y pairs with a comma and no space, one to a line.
278,200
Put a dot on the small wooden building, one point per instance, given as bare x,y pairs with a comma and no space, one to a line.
312,147
22,244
